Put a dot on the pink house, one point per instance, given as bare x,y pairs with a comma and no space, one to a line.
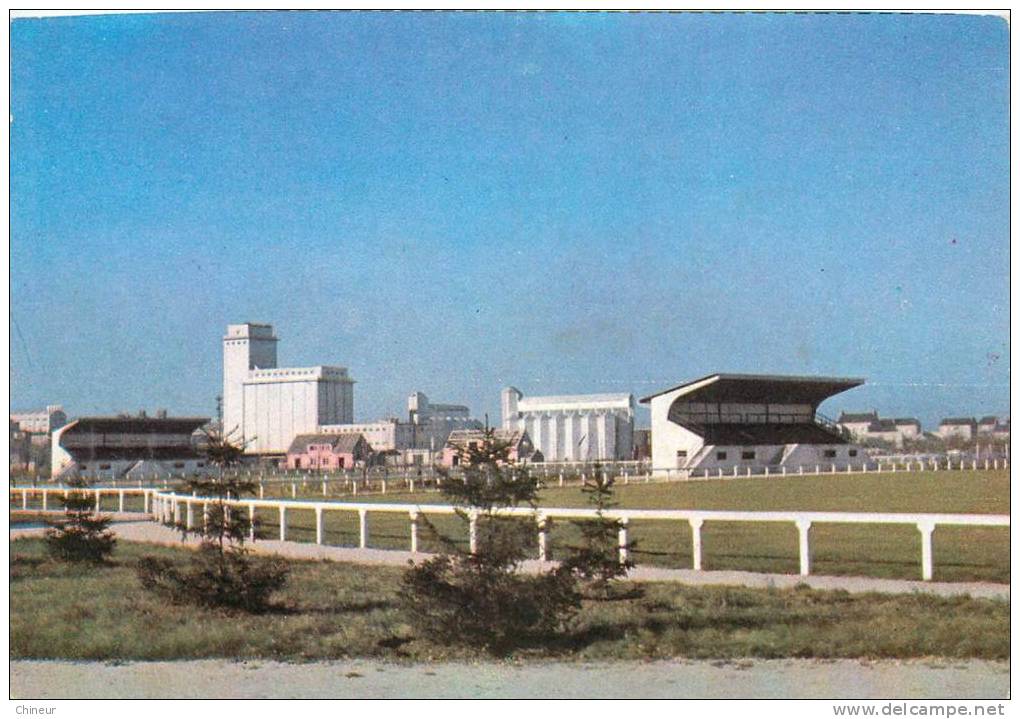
461,440
327,451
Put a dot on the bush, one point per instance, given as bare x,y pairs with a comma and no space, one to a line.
215,579
82,535
482,599
451,599
221,573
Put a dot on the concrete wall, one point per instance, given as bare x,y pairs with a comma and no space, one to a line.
668,437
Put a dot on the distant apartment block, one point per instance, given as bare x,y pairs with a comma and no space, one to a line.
992,427
866,426
42,421
964,428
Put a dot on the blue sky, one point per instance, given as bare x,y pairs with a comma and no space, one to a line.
564,202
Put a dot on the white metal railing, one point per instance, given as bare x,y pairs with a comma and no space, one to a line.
169,507
98,492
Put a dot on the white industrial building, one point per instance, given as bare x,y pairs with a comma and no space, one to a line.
727,421
419,439
265,406
573,428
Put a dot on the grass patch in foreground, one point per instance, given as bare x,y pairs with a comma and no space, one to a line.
332,610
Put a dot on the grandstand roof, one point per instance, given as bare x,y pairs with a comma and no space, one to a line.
761,389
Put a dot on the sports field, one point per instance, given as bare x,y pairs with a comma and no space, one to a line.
961,553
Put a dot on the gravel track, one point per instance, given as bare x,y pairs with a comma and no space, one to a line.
764,679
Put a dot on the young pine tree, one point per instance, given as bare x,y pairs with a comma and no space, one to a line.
222,572
482,598
82,535
596,560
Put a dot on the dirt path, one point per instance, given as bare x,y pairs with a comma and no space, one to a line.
153,533
367,679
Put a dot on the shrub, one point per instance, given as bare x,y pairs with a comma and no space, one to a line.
482,598
222,572
215,579
82,535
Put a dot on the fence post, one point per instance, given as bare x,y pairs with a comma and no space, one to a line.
384,486
363,528
24,499
189,508
251,522
283,522
205,517
622,539
410,484
543,539
44,495
473,532
318,525
696,523
561,479
98,500
414,532
926,529
262,491
804,531
120,500
293,490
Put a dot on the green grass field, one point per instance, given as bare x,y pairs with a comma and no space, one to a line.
960,553
331,610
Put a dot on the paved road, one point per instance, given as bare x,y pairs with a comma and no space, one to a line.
150,532
767,679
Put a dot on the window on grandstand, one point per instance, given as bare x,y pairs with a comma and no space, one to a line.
720,455
830,453
747,455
